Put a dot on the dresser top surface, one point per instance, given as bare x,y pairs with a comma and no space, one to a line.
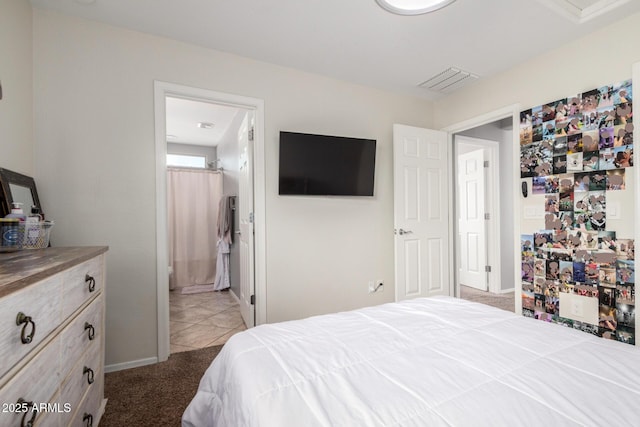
22,268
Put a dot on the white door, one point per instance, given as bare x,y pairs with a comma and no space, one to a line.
245,206
471,221
421,212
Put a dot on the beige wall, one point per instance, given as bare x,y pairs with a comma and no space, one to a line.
16,106
94,131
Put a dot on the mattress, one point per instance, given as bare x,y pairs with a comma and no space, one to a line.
425,362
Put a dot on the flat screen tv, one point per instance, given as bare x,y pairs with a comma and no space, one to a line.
322,165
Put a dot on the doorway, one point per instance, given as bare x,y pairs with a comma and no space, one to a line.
484,207
203,155
248,283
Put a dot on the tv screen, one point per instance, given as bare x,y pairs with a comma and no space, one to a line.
322,165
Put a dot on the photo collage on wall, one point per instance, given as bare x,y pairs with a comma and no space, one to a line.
577,150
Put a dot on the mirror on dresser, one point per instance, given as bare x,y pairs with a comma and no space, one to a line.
15,187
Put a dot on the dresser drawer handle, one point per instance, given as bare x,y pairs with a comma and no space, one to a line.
92,330
91,281
88,418
25,405
25,321
89,373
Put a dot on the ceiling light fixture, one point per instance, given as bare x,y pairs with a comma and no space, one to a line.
413,7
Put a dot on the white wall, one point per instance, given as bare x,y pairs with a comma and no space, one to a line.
16,70
94,140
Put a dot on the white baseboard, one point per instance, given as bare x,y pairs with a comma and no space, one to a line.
506,291
233,294
128,365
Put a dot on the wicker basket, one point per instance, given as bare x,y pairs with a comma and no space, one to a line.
36,235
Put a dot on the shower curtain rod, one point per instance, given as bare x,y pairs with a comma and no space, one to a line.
187,168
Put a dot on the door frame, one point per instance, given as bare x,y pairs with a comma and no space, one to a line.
161,91
492,201
512,111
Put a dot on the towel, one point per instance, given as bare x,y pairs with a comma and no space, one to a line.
225,220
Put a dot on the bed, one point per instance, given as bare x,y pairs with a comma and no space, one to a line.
425,362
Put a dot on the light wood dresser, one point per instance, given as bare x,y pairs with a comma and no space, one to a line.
52,337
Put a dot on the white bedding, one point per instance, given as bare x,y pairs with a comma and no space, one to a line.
425,362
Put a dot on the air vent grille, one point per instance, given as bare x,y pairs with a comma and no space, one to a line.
449,80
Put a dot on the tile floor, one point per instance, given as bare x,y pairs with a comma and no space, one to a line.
202,320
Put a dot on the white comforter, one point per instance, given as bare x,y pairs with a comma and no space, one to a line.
425,362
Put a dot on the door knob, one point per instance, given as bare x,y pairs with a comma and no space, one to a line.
403,232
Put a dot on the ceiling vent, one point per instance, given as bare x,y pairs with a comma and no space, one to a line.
449,80
582,10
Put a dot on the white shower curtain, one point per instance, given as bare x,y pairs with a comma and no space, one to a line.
193,197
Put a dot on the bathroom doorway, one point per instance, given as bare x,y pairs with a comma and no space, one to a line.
206,138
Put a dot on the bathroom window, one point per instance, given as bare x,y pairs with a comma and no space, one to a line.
182,160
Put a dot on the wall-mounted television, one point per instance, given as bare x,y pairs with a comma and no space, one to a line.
322,165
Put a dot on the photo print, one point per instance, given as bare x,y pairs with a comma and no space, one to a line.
566,201
615,179
551,203
552,305
574,143
607,317
625,272
623,156
566,271
578,272
625,249
605,96
553,270
560,146
590,140
607,159
528,300
566,182
552,221
626,335
592,273
607,296
574,162
529,160
560,164
606,138
622,92
526,129
597,220
589,291
607,241
590,100
540,267
526,245
607,277
552,184
537,133
597,181
582,182
538,184
623,135
549,131
623,114
527,272
625,294
590,160
626,315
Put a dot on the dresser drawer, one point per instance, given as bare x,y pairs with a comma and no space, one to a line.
91,408
37,382
83,333
81,283
85,376
40,305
